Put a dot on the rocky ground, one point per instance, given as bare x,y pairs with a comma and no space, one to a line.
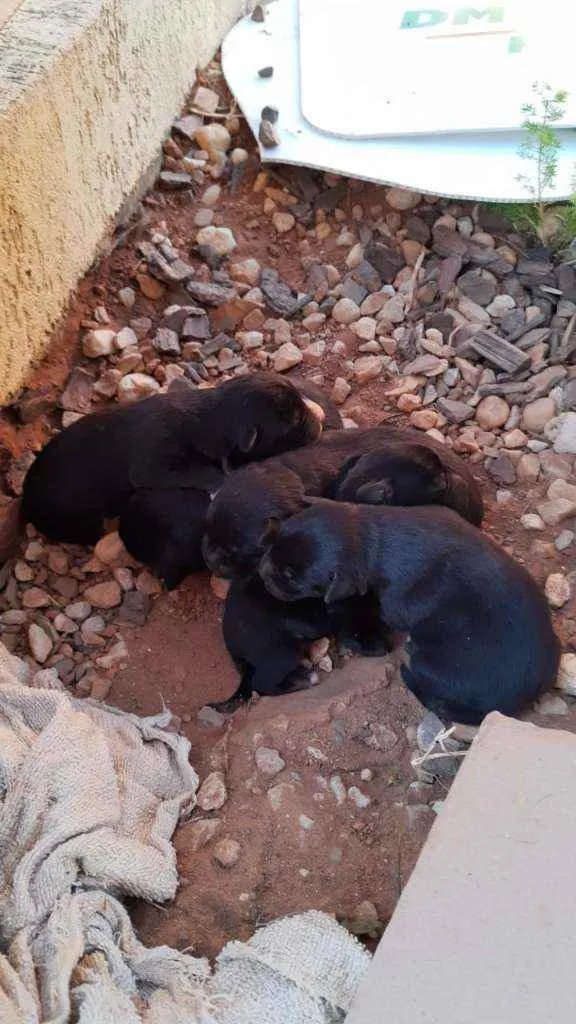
405,308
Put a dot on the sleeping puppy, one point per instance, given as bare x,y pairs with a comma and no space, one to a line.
268,639
386,464
401,474
163,527
481,638
91,469
163,530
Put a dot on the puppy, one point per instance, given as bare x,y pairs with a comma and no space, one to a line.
400,474
91,469
268,639
481,637
380,464
163,530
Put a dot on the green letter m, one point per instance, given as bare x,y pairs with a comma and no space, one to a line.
464,14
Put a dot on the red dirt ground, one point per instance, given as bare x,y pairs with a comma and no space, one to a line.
359,718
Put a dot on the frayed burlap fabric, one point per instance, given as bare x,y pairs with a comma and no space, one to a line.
89,799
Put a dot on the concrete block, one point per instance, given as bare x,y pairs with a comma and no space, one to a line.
485,930
88,89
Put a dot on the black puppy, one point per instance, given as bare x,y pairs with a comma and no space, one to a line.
383,464
400,474
91,469
163,527
268,639
481,638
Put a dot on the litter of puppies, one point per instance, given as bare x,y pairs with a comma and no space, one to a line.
390,546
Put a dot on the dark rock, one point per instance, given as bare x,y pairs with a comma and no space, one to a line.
135,607
279,296
513,322
418,229
268,135
365,234
166,342
501,469
534,272
176,316
303,213
367,276
270,114
442,322
207,254
566,282
527,325
330,198
213,346
328,305
142,325
77,396
482,256
446,273
187,126
569,395
195,372
266,72
196,328
512,285
545,306
258,14
477,285
455,412
495,350
174,181
222,277
210,294
170,271
446,242
317,282
386,260
533,337
65,668
352,290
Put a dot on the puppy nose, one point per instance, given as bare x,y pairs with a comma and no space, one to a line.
316,410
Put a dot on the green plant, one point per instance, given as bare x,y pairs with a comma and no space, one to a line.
541,144
553,223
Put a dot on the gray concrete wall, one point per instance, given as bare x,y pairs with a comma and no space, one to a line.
88,89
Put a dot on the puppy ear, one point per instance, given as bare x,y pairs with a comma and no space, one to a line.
377,492
457,490
270,531
349,465
434,464
247,438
